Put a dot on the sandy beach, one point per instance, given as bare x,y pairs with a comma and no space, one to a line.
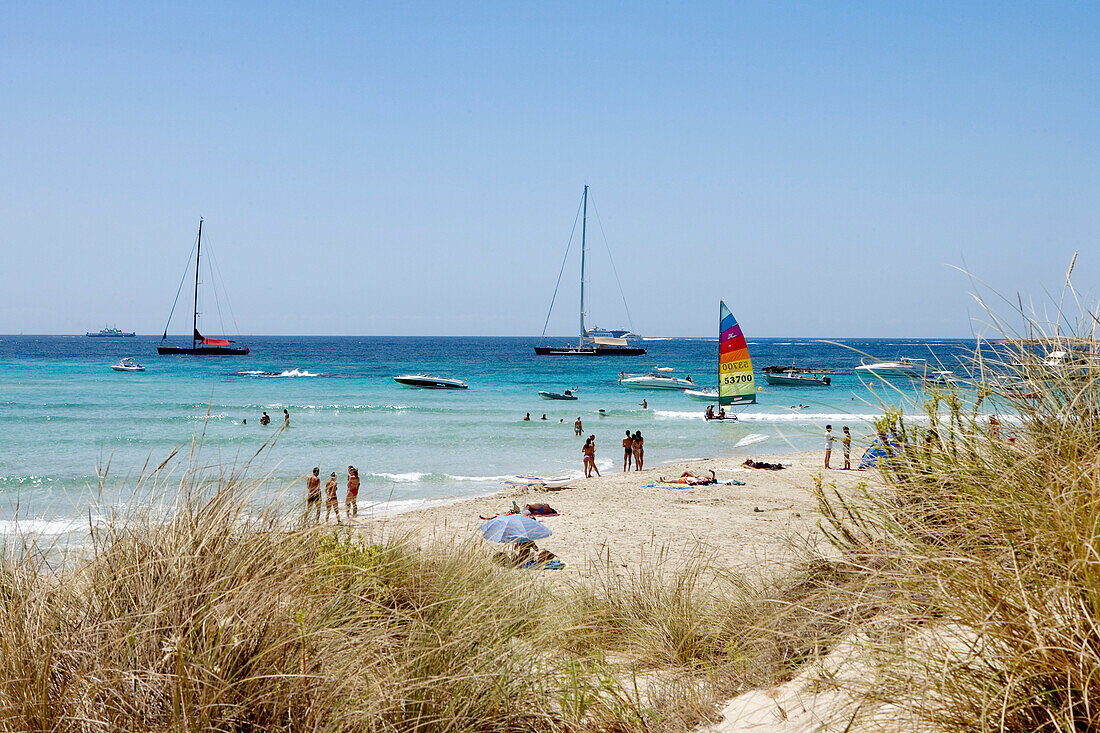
616,520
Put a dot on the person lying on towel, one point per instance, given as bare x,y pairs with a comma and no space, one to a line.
693,479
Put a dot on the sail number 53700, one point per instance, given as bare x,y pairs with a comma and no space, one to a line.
737,379
735,366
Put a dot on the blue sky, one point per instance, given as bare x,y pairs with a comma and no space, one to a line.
414,168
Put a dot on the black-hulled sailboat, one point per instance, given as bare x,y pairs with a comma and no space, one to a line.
596,342
200,345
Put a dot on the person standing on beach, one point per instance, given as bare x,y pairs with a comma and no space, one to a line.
829,438
589,453
637,446
846,445
577,426
332,503
351,503
313,494
286,418
628,451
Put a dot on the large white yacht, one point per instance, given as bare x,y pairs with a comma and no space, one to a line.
903,368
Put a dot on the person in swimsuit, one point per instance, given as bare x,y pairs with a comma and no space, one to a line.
527,417
544,416
636,445
709,414
846,444
577,426
589,452
628,451
693,479
351,500
286,418
332,503
535,510
313,492
265,419
645,405
829,438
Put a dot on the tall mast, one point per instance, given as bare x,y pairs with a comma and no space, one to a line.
584,225
195,318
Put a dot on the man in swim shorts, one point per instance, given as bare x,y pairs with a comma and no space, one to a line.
577,426
628,451
351,503
332,503
313,492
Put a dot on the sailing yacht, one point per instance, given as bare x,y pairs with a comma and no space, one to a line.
200,345
596,342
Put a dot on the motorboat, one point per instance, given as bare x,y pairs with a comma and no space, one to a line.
430,381
941,377
707,394
128,364
656,380
566,395
903,368
792,376
110,333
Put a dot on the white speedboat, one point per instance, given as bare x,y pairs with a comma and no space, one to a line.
903,368
656,380
429,381
128,365
707,394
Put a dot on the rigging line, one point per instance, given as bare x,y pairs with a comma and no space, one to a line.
622,295
225,293
179,290
563,261
214,287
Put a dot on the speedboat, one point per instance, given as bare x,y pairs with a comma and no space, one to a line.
566,395
792,376
128,364
656,380
903,368
429,381
707,394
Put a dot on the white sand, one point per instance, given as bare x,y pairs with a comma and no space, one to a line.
615,519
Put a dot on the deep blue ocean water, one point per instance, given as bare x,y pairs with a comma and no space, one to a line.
65,412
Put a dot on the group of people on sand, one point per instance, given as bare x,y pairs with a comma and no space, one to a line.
633,450
845,443
332,500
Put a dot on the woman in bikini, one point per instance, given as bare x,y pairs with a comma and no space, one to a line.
628,451
636,445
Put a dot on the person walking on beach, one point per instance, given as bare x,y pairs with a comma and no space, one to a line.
351,500
286,418
265,419
577,426
628,451
332,503
829,438
637,445
846,445
313,494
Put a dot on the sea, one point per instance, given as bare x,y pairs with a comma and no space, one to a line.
78,436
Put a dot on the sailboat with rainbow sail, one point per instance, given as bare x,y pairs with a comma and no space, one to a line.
736,384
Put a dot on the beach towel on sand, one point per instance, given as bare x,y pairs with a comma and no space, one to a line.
679,485
549,565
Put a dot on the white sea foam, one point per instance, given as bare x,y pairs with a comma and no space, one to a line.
400,478
415,476
750,440
41,526
774,417
288,372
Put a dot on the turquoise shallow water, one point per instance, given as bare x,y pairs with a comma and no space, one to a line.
65,412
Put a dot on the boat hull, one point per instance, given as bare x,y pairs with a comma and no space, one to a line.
202,350
128,369
590,351
701,395
635,383
555,396
786,380
110,335
429,383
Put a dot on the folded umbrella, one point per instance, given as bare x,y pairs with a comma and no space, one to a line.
514,528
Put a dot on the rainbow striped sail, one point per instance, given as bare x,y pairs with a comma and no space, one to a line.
735,382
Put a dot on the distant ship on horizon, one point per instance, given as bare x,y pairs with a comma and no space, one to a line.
110,333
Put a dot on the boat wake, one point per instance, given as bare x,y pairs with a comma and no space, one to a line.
286,373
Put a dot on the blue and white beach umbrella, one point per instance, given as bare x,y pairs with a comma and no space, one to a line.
514,528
